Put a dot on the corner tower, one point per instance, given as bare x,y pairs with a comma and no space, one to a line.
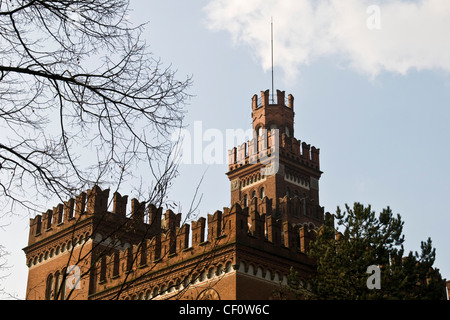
274,166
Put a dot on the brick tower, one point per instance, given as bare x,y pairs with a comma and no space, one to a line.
83,249
274,164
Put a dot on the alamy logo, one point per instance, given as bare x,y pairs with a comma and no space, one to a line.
73,278
374,281
210,146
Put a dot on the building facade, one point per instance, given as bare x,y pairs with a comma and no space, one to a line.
82,250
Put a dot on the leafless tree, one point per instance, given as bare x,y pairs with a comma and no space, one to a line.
82,102
96,257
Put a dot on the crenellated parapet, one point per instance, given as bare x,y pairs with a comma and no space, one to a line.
125,244
259,149
154,240
173,247
273,126
266,100
93,203
271,143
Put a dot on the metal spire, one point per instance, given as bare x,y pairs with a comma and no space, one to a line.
271,39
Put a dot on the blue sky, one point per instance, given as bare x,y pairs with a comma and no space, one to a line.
375,101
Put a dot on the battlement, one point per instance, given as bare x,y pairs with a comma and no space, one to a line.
127,244
225,229
74,211
92,203
273,125
167,241
266,99
271,143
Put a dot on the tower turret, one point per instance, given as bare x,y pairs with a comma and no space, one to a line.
273,113
274,164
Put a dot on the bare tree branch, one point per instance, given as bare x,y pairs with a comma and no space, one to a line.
82,102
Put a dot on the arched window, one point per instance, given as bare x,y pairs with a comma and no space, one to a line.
304,204
63,284
245,201
49,288
155,292
49,219
288,192
262,193
60,216
129,265
253,194
102,269
116,264
259,131
57,285
38,225
143,261
286,130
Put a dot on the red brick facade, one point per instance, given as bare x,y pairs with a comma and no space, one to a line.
242,252
294,188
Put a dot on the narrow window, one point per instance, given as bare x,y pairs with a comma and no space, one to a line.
60,216
144,254
49,219
49,288
129,259
38,225
116,264
57,285
63,284
103,269
260,131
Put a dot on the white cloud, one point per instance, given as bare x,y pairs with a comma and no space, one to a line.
411,34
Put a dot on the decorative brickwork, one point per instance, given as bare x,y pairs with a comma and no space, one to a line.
277,165
83,250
